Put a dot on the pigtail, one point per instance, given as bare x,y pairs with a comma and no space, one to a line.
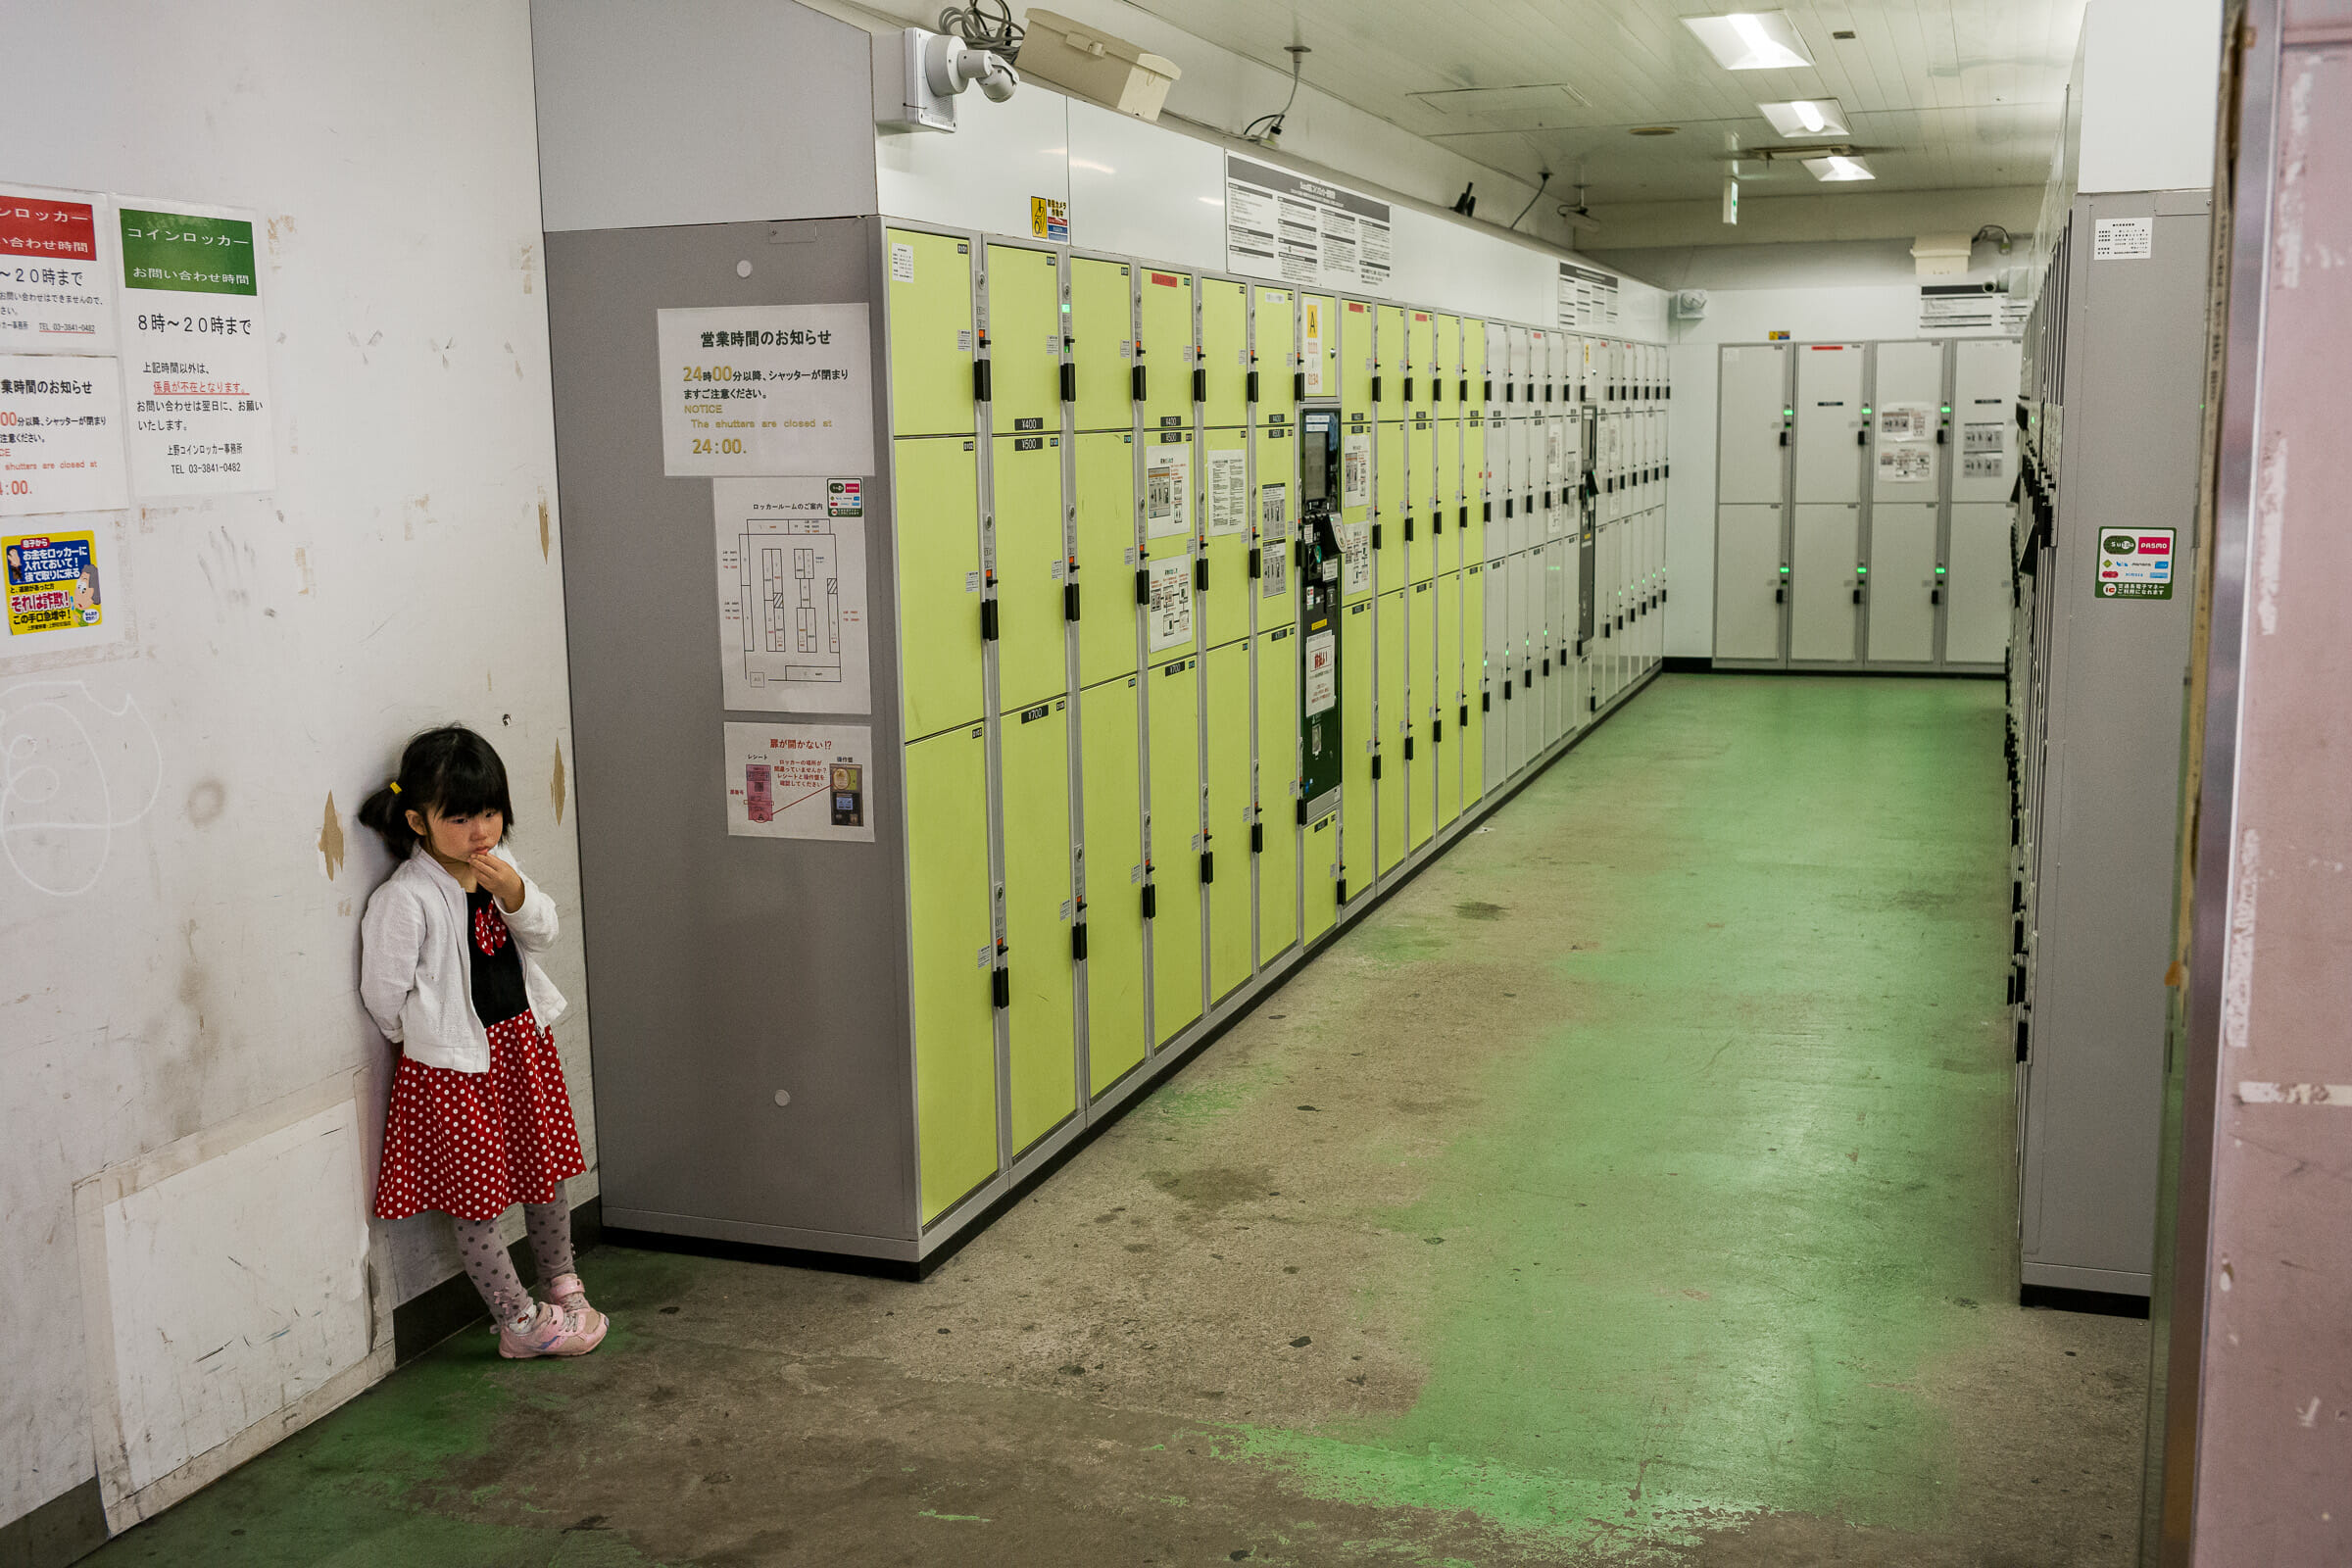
385,812
450,771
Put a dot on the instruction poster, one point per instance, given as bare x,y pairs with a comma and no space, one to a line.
1586,298
1311,345
1289,226
1355,469
1228,492
54,295
1274,541
61,435
195,351
1170,610
1168,486
1321,672
2136,564
801,781
792,605
765,390
52,582
1355,557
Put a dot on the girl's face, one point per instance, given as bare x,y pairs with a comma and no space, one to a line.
460,838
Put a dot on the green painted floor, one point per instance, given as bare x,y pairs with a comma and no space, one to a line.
1635,1185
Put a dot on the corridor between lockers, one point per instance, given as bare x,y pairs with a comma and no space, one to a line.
1634,1181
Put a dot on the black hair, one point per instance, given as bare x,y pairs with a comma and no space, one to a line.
450,770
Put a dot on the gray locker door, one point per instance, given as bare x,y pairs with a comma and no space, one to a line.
1557,456
1750,460
1824,544
1976,627
1829,421
1515,596
1909,382
1902,583
1497,717
1985,388
1555,642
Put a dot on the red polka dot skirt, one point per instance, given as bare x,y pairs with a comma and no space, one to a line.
474,1144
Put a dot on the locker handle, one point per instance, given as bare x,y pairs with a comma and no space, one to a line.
1137,377
1486,704
1254,556
1376,765
1546,666
1408,747
1143,585
1436,732
1200,574
980,382
1299,386
1780,593
1199,383
1936,595
1462,394
1408,389
1486,390
1436,523
1463,722
1303,811
1208,866
1409,527
1376,535
1784,438
1150,900
1486,510
1257,838
1069,394
1506,688
1940,435
1548,391
1861,438
1078,943
1511,392
988,620
1342,893
1000,986
1069,601
1252,386
2024,1051
1507,505
1376,386
1464,521
1857,595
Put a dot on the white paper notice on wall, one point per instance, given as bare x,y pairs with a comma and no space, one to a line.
765,390
1321,672
1228,492
60,434
195,350
1310,343
801,781
1355,469
1355,557
56,280
1906,422
791,610
1906,465
2122,239
1171,607
1167,487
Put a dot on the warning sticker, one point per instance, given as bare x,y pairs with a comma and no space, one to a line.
2137,564
1321,672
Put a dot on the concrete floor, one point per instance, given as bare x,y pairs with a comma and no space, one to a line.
1636,1186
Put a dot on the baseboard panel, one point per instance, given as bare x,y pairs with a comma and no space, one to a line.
64,1528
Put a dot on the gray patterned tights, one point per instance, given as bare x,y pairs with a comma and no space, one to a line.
492,1270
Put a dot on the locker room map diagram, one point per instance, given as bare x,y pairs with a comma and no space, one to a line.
792,608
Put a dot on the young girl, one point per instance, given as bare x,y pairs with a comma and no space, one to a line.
478,1119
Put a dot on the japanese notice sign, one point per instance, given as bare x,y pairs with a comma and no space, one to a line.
60,434
1587,297
55,293
801,781
792,611
767,390
2135,564
195,351
1355,469
1321,672
53,583
1228,492
1311,326
1167,486
1050,220
2122,239
1170,610
1302,230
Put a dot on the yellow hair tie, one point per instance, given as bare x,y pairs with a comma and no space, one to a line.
396,786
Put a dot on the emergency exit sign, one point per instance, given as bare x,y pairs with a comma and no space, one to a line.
2135,564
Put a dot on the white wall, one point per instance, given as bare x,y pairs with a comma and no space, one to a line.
404,572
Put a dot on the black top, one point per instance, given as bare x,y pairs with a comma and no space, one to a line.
498,990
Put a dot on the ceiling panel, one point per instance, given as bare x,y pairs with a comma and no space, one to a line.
1958,93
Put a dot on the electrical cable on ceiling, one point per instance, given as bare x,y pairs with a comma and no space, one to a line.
1249,132
985,25
1531,200
1994,233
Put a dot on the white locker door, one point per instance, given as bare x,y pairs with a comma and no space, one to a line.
1653,572
1906,462
1825,544
1556,644
1556,456
1498,372
1609,549
1901,594
1516,525
1653,456
1514,577
1984,373
1829,422
1748,589
1976,627
1521,360
1750,459
1495,728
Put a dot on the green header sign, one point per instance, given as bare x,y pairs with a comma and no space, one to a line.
186,254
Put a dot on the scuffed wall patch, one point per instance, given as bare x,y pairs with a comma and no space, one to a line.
330,839
554,788
543,525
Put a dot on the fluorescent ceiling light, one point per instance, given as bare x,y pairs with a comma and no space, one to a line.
1807,117
1751,40
1836,167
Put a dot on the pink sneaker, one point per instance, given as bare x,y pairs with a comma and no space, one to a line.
553,1331
566,1290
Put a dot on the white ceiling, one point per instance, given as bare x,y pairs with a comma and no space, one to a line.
1942,94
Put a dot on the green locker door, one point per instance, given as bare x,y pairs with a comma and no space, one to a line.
1322,874
952,949
1396,723
937,544
1474,484
1474,359
1454,734
1229,732
1446,395
1025,337
1473,710
1319,344
1421,617
1225,520
1102,320
1446,495
1357,358
1225,352
1173,705
1421,466
930,335
1030,629
1359,735
1273,317
1390,557
1114,875
1277,498
1277,791
1043,1089
1392,365
1420,359
1107,556
1165,304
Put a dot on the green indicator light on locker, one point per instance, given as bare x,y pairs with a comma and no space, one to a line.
1938,572
1861,571
1866,411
